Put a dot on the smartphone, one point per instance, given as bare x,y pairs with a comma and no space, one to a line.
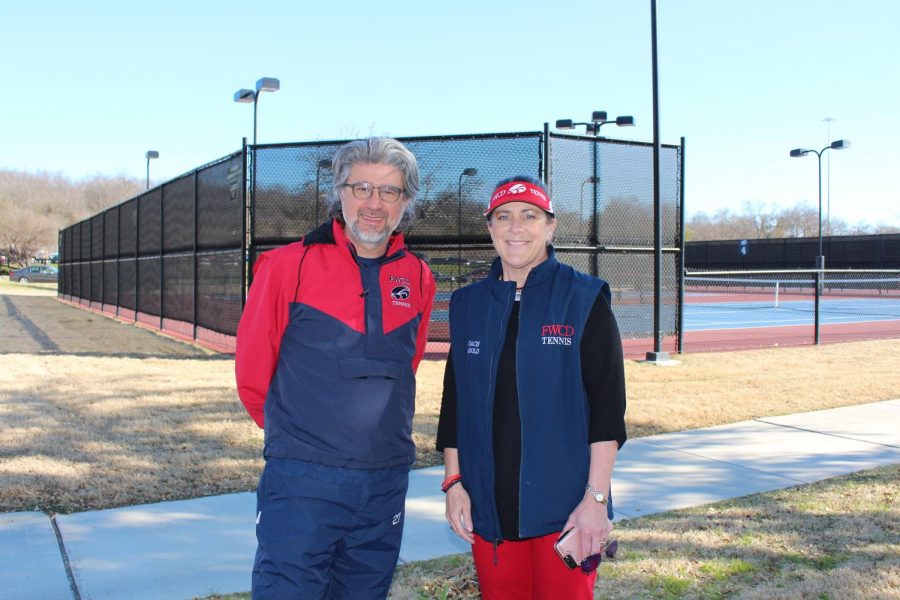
568,547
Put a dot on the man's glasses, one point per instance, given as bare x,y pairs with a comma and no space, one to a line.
590,564
363,190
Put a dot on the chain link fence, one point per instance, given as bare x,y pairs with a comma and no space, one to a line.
173,257
602,193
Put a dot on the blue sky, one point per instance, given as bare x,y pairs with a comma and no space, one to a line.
90,86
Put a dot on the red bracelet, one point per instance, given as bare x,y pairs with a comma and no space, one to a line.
450,482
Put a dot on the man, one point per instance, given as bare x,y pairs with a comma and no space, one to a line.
327,348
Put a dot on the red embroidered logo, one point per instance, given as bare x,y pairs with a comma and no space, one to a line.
557,335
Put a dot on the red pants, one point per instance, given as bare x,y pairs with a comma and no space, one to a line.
530,569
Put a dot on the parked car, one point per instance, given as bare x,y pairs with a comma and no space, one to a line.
35,274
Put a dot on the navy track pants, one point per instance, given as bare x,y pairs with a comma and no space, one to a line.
327,532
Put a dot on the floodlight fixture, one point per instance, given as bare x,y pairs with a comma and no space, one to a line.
599,118
150,154
243,95
267,84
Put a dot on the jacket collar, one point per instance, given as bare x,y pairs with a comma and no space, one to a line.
333,233
538,275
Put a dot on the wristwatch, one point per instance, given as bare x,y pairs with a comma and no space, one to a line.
597,494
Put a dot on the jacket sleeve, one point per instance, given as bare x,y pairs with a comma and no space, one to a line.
259,333
603,373
428,289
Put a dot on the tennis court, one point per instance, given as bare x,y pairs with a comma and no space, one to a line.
730,310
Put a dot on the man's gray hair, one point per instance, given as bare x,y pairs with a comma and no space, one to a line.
376,150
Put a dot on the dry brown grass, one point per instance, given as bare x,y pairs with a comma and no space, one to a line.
838,538
118,415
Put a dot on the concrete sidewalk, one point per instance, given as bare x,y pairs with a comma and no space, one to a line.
190,548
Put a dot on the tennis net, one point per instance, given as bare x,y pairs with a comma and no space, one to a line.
872,293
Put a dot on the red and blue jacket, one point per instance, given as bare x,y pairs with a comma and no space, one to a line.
555,304
326,360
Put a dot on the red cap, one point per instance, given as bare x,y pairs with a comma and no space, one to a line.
520,191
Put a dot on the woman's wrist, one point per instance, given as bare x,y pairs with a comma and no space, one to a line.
450,481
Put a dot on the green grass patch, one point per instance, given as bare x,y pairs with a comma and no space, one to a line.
721,570
668,587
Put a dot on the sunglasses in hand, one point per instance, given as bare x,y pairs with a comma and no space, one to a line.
568,545
590,564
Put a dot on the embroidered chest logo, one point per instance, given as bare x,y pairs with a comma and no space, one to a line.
400,295
557,335
474,346
400,292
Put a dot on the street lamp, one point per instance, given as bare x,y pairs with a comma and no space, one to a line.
469,172
820,258
150,154
322,164
598,120
265,84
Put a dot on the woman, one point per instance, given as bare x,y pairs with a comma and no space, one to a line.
533,411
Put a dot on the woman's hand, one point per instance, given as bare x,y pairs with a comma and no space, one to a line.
591,519
459,512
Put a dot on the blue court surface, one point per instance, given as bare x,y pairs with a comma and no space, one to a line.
705,316
709,316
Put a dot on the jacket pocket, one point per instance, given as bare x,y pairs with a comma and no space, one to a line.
360,367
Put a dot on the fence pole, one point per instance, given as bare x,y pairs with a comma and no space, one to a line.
680,312
162,266
246,228
196,272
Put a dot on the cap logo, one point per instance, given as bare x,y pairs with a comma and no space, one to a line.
519,191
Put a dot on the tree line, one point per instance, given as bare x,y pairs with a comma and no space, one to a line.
35,206
757,220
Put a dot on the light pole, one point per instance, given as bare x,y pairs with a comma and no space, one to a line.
820,258
469,172
598,120
828,121
150,154
265,84
322,164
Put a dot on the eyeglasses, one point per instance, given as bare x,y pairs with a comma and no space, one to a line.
363,190
590,564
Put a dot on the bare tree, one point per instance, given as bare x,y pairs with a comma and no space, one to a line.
35,206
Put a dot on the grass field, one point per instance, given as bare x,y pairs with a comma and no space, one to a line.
129,417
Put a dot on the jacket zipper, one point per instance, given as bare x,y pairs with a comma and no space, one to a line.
494,355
